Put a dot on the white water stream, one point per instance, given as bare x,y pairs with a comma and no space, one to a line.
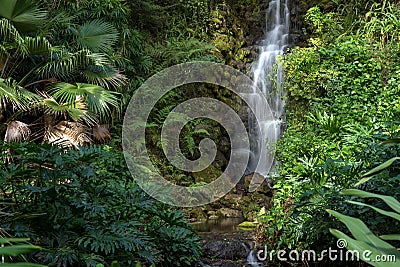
268,76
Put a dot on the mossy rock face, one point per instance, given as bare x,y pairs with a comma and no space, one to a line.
231,201
229,213
237,25
196,214
207,175
250,206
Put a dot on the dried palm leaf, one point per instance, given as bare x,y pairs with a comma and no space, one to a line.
17,131
101,133
67,134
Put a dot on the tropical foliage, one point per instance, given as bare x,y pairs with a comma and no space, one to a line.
84,208
381,252
69,68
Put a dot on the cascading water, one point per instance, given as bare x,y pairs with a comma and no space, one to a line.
268,77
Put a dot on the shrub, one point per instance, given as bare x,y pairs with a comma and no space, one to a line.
84,208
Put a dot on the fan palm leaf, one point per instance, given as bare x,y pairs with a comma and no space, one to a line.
25,15
105,76
96,35
37,45
16,49
14,96
63,64
76,110
98,99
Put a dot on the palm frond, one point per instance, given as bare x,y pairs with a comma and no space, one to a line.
63,64
105,76
8,31
37,45
11,37
14,96
59,23
17,131
24,14
96,35
98,59
67,134
76,110
98,100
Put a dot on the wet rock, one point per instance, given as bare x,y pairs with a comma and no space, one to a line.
229,213
227,250
231,201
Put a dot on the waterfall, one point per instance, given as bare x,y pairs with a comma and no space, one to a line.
252,260
268,76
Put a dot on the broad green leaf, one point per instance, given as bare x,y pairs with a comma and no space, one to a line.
24,14
361,232
367,176
381,211
12,239
362,247
389,200
391,237
15,250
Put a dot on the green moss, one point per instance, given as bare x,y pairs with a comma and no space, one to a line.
248,225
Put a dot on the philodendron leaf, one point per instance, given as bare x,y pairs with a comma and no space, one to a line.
381,211
361,232
389,200
366,252
367,176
